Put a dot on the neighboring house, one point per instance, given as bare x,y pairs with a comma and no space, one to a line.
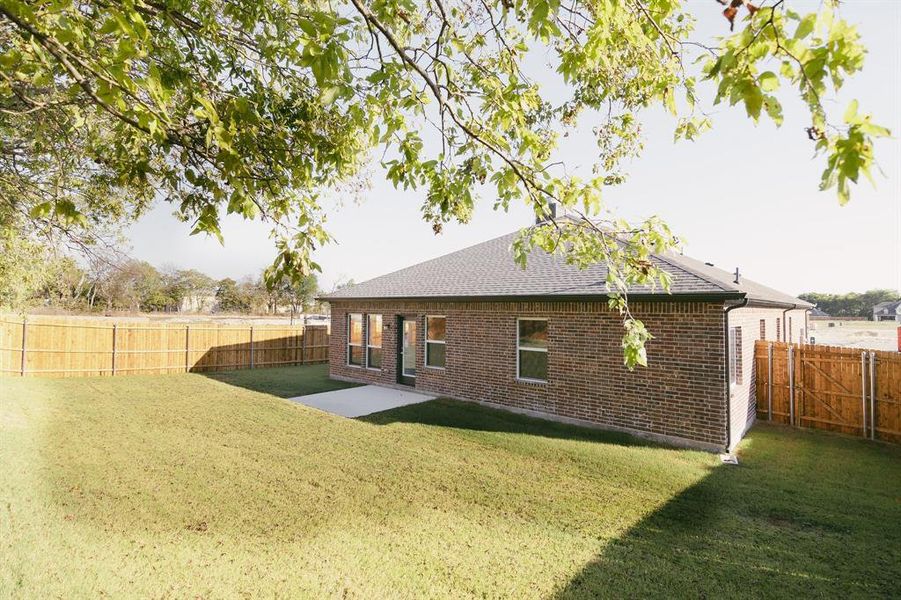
474,326
887,311
816,313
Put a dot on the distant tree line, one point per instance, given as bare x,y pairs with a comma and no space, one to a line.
32,275
852,304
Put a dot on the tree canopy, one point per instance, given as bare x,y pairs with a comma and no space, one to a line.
255,107
852,304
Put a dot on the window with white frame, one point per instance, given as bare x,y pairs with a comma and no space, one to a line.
531,349
355,339
374,342
735,358
435,344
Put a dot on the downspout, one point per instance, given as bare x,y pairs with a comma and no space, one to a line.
726,312
785,332
806,325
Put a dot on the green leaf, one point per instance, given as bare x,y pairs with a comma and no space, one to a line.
753,99
768,81
773,109
851,112
329,95
805,27
42,210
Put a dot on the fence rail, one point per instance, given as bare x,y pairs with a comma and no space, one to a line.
76,348
848,390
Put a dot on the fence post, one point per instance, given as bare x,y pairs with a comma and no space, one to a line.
114,349
303,344
872,395
863,391
24,334
187,347
251,346
791,385
769,382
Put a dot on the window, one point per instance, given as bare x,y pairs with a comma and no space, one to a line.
778,330
735,358
763,329
435,345
374,342
531,349
355,339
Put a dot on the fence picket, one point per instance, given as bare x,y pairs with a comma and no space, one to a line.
830,388
72,347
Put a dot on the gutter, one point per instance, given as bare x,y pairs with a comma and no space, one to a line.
786,334
771,304
548,297
726,312
807,324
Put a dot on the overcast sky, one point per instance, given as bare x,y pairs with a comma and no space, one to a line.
741,195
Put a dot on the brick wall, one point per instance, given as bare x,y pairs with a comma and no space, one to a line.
743,403
679,395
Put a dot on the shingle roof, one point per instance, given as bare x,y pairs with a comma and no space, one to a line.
488,270
751,289
888,307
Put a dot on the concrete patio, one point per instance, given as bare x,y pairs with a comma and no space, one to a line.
360,401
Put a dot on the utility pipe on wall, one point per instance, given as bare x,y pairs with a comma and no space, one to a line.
806,326
788,334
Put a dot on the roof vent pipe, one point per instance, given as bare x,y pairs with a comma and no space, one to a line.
737,276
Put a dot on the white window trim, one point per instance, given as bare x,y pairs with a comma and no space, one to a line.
367,345
349,344
518,349
427,342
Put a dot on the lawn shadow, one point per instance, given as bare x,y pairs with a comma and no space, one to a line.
284,382
457,414
765,524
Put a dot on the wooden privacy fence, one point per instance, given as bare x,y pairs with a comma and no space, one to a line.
848,390
78,348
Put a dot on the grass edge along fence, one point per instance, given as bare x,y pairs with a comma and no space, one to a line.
847,390
61,347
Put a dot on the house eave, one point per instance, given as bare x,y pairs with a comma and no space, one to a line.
759,303
656,297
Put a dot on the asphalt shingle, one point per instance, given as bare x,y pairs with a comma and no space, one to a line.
488,270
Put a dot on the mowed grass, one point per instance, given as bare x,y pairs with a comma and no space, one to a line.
189,486
284,382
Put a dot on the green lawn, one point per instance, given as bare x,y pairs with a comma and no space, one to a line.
285,382
206,486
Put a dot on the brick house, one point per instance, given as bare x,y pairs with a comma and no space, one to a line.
474,326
